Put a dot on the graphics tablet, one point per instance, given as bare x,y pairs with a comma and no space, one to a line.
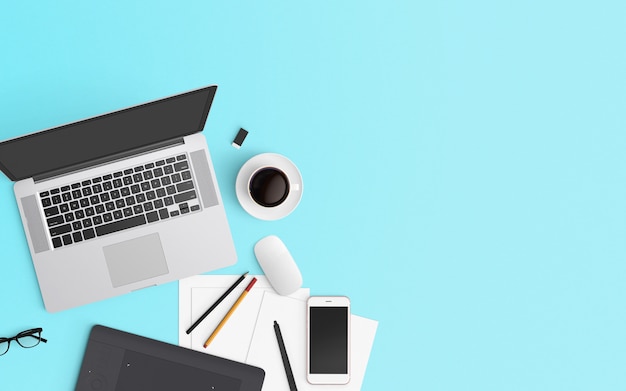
118,361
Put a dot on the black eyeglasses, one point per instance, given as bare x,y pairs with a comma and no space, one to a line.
26,339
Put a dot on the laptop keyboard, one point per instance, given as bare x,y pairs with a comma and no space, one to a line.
120,200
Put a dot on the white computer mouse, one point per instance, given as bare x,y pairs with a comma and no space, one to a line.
278,265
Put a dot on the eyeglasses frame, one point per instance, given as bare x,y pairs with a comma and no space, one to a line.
25,333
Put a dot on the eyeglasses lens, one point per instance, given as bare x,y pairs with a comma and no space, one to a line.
4,346
29,339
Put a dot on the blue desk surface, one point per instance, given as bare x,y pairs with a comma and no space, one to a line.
463,165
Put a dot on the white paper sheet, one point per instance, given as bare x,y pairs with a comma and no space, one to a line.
196,294
290,314
249,334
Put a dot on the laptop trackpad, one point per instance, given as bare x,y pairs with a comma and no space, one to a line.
135,260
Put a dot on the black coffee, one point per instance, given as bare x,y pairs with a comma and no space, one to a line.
269,187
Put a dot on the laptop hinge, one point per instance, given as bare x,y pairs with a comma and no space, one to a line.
108,159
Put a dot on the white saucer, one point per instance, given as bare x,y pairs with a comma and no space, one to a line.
295,186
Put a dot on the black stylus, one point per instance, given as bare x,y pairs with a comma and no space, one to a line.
283,353
207,312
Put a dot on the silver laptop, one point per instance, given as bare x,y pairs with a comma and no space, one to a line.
121,201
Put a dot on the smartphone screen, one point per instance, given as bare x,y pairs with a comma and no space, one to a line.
328,340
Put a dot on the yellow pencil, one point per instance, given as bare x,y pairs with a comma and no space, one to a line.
230,312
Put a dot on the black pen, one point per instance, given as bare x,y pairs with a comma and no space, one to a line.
207,312
283,353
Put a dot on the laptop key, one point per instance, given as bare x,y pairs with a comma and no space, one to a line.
89,234
190,195
184,186
77,237
60,230
163,213
51,211
56,220
46,202
181,166
56,199
56,242
67,239
152,217
119,225
44,194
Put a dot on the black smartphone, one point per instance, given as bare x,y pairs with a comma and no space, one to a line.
328,340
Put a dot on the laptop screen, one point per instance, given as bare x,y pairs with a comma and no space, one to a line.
109,134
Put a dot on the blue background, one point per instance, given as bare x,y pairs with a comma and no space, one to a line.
463,165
